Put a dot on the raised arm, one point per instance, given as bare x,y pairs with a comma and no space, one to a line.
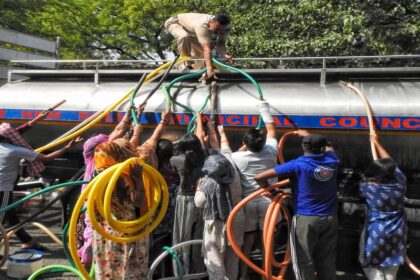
271,130
123,126
41,116
381,150
135,138
55,154
28,125
267,117
207,60
157,133
214,142
137,194
199,131
224,141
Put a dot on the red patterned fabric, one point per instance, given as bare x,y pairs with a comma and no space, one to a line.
8,132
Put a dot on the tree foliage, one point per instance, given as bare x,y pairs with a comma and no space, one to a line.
14,13
133,29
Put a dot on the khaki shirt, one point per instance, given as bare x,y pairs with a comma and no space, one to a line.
197,25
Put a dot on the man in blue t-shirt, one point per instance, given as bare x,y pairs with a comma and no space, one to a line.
313,179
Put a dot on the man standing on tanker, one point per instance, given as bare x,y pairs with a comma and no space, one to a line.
197,34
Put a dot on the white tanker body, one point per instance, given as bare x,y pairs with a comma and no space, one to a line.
331,109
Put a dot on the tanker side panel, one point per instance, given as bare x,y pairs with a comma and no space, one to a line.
331,109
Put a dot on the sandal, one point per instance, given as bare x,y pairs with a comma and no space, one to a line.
36,246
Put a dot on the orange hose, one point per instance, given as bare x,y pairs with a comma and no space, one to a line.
281,145
368,108
273,209
268,240
369,115
268,235
412,266
273,214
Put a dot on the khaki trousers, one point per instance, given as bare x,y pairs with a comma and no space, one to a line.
188,44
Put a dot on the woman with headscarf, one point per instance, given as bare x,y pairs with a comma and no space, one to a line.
213,195
147,151
383,241
121,260
84,225
227,261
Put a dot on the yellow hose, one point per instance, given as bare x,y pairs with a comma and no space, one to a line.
106,111
41,227
73,224
99,193
128,226
48,232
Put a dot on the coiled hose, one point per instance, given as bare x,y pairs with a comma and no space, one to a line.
99,192
270,221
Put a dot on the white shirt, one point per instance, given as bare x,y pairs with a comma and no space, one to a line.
250,164
10,156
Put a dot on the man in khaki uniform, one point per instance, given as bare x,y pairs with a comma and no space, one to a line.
197,34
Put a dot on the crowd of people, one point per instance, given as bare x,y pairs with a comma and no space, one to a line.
206,179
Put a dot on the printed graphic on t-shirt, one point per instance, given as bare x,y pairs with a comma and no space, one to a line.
323,173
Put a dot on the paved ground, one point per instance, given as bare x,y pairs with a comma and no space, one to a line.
55,254
347,265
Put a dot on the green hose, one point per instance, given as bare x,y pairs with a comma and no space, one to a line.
191,125
257,86
64,234
166,89
253,81
55,268
133,95
170,99
21,201
175,257
92,271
